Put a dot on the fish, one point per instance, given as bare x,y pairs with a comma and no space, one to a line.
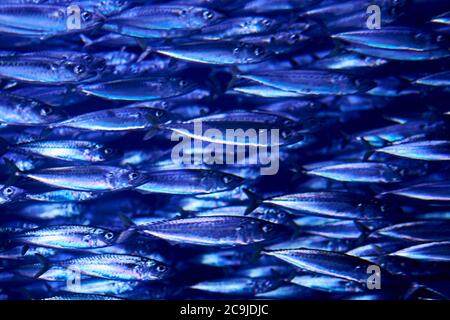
67,237
236,27
88,178
189,181
434,150
114,267
62,195
238,286
228,231
78,296
327,283
23,111
431,251
139,89
69,150
42,21
395,38
255,122
434,191
366,172
442,18
103,287
337,205
114,120
220,53
47,70
325,262
437,79
419,231
167,17
311,82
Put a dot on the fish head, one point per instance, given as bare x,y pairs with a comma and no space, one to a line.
251,53
90,19
260,230
131,178
200,17
262,24
149,269
10,194
180,85
272,214
156,115
105,153
220,181
364,85
45,113
261,285
94,63
291,135
79,70
99,238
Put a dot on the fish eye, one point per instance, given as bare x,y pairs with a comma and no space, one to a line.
227,179
161,268
267,22
286,133
46,111
109,235
208,15
165,104
294,37
88,58
79,68
133,175
87,16
159,113
8,191
184,83
281,215
259,51
267,228
108,150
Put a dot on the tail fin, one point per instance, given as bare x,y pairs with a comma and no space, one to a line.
4,146
45,265
14,171
87,41
254,201
365,232
131,229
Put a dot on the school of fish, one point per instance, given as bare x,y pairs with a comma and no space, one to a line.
94,207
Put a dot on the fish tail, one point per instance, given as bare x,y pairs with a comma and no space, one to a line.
45,265
151,133
365,232
254,201
86,40
4,146
234,77
14,171
131,229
